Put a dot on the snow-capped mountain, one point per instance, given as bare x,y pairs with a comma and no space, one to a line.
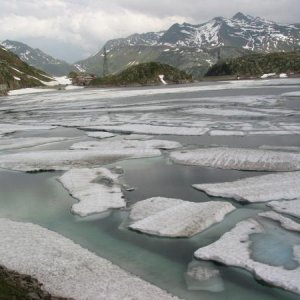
196,47
38,59
241,31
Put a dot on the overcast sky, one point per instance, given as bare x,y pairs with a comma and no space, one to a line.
75,29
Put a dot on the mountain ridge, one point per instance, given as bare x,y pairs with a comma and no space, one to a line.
189,47
39,59
15,73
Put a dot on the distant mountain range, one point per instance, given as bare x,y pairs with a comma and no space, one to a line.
15,73
39,59
195,48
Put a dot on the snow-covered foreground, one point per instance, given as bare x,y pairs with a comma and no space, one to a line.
233,249
281,186
239,159
65,269
97,190
175,217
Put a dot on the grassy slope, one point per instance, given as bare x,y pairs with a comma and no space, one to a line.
29,76
258,64
144,74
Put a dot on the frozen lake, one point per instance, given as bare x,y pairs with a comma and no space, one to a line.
50,132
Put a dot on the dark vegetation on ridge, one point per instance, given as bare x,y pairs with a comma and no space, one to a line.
15,74
144,74
258,64
15,286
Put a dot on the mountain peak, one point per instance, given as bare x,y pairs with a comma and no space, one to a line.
241,16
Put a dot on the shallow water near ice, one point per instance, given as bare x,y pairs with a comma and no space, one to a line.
41,199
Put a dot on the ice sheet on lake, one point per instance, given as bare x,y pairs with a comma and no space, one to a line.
98,190
66,269
292,94
226,133
175,217
287,207
280,186
122,144
281,148
239,159
14,143
29,91
142,137
285,222
11,128
233,249
151,129
67,159
232,112
100,134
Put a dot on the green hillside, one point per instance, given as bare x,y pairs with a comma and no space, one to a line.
258,64
15,74
144,74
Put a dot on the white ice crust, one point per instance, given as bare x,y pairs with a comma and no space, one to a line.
11,128
175,217
285,222
98,190
287,207
14,143
152,129
100,134
233,249
139,145
66,269
279,186
28,91
239,159
67,159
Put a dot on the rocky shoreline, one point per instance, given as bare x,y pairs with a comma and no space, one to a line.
15,286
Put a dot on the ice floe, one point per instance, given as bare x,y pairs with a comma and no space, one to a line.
98,190
100,134
226,133
291,207
11,128
151,129
66,269
14,143
281,148
292,94
239,159
175,217
280,186
233,112
285,222
122,144
67,159
233,249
